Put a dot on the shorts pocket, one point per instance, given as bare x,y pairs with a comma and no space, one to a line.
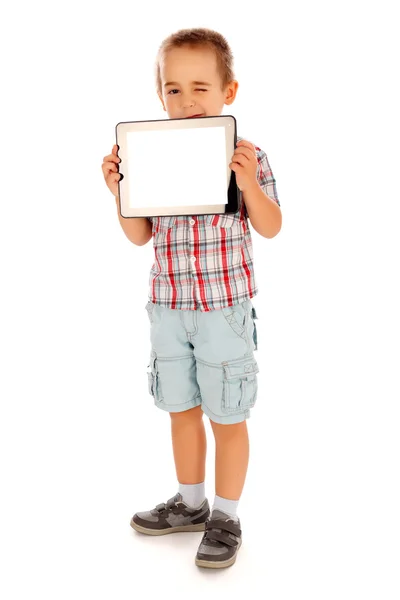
154,379
150,307
254,316
236,317
240,384
150,381
172,381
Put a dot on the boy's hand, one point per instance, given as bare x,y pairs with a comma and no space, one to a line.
110,170
244,164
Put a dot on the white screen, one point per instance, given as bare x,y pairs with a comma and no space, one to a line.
185,167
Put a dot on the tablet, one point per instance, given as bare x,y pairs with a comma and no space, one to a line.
177,167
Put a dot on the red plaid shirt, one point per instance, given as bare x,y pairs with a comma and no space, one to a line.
205,262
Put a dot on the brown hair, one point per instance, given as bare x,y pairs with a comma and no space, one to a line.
196,38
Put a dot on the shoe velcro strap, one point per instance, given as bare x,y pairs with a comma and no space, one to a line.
224,525
160,507
221,537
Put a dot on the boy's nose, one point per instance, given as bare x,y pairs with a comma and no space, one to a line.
188,103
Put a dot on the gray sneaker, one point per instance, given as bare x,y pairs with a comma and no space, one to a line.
171,517
220,543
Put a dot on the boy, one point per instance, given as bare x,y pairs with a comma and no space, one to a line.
201,315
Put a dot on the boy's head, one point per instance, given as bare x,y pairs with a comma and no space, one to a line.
194,74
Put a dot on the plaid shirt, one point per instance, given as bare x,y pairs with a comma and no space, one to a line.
205,262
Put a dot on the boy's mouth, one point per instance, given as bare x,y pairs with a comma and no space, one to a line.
194,116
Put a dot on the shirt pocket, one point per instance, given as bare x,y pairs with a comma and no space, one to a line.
163,223
222,220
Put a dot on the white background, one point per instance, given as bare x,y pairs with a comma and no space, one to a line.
82,446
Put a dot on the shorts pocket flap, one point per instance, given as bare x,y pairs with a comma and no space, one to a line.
243,368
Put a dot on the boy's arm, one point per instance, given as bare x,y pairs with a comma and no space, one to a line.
262,205
138,230
264,212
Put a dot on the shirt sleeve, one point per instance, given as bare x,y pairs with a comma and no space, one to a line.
266,178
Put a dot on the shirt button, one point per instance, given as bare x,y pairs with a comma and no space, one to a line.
193,258
192,221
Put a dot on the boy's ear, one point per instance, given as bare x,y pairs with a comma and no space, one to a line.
162,100
231,91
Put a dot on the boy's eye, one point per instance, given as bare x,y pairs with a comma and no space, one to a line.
197,90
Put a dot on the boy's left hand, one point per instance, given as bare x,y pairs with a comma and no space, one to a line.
244,164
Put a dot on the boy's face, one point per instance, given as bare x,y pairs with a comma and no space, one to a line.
191,84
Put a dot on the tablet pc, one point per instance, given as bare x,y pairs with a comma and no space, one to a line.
177,167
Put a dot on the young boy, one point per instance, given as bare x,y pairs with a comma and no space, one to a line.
201,316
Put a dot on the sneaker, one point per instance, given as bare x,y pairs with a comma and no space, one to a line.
171,517
220,543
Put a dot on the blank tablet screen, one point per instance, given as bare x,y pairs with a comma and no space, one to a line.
188,166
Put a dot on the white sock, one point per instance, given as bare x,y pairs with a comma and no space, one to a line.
229,507
192,494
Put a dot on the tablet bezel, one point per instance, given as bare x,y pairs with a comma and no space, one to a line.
233,192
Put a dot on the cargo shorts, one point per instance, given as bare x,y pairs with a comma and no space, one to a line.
204,358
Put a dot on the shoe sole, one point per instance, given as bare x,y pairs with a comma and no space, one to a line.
148,531
207,564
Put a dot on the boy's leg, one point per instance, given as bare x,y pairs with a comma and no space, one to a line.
173,385
189,445
227,377
223,536
231,459
188,510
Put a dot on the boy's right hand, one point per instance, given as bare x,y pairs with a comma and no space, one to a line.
110,170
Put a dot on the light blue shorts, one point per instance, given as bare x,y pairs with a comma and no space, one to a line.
204,358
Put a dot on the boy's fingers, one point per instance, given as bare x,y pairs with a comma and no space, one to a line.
245,151
111,158
109,163
113,178
110,166
247,144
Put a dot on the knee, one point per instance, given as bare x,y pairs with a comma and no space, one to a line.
228,431
187,416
